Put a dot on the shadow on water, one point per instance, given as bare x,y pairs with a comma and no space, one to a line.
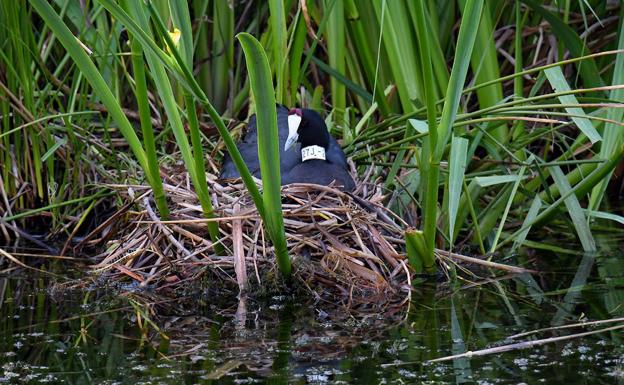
56,334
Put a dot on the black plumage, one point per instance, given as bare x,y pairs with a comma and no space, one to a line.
312,131
248,148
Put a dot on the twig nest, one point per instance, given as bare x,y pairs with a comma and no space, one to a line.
343,244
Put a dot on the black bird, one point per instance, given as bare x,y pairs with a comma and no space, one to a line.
322,161
248,148
297,129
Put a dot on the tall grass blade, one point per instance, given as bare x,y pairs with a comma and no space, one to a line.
465,44
503,219
518,126
492,180
181,18
467,206
440,68
100,87
179,68
430,95
279,46
58,144
484,63
336,47
574,209
536,205
429,167
457,167
268,145
222,52
182,21
364,48
559,84
603,215
138,65
400,47
202,45
295,56
192,157
613,134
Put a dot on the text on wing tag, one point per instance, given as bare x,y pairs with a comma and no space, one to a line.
312,152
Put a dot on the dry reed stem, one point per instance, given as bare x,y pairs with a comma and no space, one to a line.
513,346
239,253
484,263
523,345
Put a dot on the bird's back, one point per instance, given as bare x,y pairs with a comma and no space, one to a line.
320,172
248,148
292,169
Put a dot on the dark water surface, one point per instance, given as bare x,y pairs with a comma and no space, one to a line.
58,334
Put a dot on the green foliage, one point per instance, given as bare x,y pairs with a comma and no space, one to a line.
479,134
268,145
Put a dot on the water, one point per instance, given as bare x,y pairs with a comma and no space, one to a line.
59,334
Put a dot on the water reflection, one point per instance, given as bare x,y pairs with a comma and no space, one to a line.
55,334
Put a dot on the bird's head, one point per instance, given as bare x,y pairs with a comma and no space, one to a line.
306,127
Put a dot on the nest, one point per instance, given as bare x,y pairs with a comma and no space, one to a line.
343,244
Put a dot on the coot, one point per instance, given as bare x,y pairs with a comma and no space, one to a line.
248,148
322,160
297,128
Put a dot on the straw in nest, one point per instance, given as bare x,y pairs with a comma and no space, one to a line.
344,243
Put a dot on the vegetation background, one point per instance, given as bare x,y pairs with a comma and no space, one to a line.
483,120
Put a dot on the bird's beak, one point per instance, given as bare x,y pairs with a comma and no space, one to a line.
293,127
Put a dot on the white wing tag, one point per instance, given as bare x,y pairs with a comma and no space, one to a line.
312,152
